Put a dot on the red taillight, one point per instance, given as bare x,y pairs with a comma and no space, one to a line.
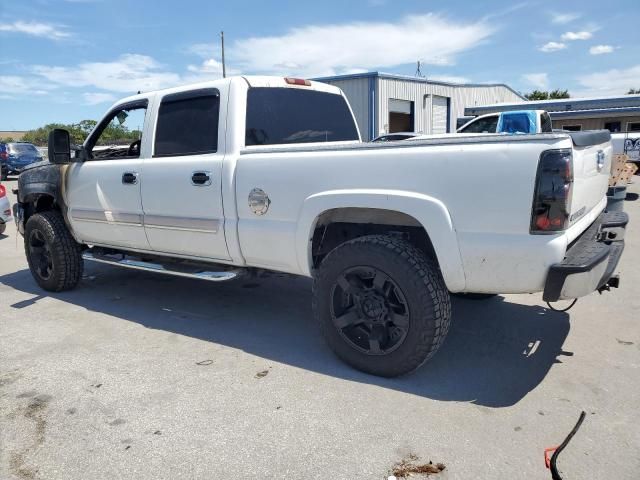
3,191
298,81
4,155
552,197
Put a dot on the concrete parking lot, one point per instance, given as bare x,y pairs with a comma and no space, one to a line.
137,375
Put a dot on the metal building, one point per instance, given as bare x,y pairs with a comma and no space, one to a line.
386,103
617,114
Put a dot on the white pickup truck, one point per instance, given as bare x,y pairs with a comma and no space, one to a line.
261,173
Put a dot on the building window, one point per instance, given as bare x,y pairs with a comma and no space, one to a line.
633,126
572,128
613,126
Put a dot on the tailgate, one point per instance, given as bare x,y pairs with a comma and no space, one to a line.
592,154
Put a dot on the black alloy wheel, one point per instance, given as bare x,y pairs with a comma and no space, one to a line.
370,310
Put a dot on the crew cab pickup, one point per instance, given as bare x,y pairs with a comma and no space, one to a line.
221,179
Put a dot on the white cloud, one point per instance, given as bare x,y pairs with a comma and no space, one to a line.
129,73
571,36
563,18
449,78
611,82
601,49
210,65
552,47
94,98
35,29
537,80
203,50
326,49
11,85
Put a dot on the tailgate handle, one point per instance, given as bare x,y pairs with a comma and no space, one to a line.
201,179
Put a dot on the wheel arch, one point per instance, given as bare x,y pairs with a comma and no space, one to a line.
388,210
39,190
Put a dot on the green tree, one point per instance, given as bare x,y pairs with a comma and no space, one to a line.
77,131
113,134
544,95
7,140
87,125
557,94
537,95
633,91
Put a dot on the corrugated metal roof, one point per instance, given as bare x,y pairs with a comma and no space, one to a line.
600,112
406,78
562,105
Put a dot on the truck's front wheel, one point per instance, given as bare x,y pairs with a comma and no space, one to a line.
54,257
382,304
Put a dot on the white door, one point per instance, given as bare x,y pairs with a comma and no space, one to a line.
182,181
103,192
439,114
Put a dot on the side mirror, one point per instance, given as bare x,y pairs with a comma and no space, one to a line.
59,146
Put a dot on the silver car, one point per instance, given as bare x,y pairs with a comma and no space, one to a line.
5,209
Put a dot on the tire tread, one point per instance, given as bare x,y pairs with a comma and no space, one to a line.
66,251
427,280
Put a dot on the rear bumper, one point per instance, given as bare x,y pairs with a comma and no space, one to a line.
590,260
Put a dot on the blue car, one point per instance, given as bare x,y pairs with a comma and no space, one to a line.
15,156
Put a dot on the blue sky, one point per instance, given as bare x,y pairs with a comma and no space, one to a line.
69,60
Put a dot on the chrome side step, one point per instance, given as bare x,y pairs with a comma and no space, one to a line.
193,272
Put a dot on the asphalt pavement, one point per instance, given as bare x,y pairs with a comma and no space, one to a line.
139,375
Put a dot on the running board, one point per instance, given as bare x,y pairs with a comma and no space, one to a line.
191,271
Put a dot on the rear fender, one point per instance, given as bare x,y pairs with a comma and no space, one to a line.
428,211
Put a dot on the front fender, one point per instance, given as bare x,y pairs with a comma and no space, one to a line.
431,213
38,179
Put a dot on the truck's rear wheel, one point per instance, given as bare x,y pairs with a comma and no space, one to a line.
54,257
381,304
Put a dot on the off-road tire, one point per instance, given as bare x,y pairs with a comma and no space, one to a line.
65,253
475,296
419,280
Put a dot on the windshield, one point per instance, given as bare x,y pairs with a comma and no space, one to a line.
22,148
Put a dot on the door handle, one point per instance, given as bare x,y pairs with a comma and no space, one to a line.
130,178
201,179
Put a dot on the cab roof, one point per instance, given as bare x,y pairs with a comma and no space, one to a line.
251,81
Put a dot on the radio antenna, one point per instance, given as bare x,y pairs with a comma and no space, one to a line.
224,69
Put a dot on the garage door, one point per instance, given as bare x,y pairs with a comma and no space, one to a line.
439,110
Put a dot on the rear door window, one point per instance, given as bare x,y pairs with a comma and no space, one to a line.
188,123
482,125
22,148
290,115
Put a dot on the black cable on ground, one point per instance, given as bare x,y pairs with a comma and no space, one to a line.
554,470
563,309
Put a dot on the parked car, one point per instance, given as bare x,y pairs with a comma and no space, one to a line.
394,137
16,156
5,209
4,154
233,176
